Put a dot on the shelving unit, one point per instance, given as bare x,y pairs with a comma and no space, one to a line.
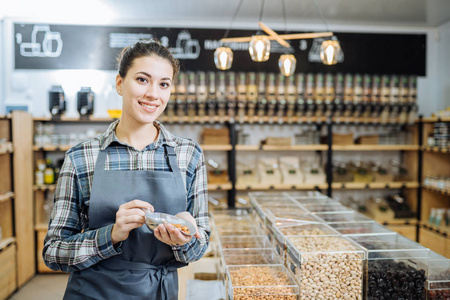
8,248
436,162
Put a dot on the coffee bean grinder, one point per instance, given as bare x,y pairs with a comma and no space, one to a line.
85,101
56,101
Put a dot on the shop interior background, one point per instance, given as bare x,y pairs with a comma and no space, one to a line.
431,18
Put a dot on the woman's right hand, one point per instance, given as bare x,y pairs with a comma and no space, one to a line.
129,216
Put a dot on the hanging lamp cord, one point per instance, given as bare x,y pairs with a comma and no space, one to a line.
321,15
232,19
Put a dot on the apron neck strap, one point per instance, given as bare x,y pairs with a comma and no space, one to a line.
171,156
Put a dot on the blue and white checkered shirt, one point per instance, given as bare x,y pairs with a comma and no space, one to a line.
70,245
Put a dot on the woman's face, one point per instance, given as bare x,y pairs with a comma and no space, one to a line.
145,88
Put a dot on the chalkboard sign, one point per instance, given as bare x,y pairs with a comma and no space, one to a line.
54,46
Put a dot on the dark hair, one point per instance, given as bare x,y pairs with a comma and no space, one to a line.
147,48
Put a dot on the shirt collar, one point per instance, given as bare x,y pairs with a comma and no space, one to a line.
164,137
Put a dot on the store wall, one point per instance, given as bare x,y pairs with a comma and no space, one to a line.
31,86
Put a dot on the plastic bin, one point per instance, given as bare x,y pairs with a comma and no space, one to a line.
233,229
360,228
438,282
326,266
261,282
342,217
326,207
397,267
243,241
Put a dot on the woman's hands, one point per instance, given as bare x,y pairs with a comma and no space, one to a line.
169,234
129,216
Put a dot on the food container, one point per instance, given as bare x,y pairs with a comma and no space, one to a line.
231,216
396,267
248,256
243,241
326,266
438,282
280,234
360,228
327,208
232,229
342,217
261,205
261,282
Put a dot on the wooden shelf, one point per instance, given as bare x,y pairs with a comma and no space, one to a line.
295,148
193,120
206,147
439,191
73,119
51,148
410,221
436,149
282,148
5,196
46,187
375,147
244,187
41,227
6,148
374,185
435,119
6,242
219,186
442,230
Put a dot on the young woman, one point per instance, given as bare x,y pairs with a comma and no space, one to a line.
97,229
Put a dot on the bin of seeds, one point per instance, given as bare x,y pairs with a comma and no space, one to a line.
243,241
438,282
262,204
282,233
263,282
360,228
397,266
326,266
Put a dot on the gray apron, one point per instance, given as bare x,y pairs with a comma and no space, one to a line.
146,268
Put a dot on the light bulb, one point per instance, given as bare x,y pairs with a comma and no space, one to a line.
223,57
287,64
330,51
259,48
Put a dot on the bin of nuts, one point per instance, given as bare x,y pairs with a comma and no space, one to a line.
397,267
223,230
243,241
342,217
326,266
282,233
438,282
264,282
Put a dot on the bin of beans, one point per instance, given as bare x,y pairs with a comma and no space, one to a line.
438,282
265,282
326,266
282,233
360,228
397,266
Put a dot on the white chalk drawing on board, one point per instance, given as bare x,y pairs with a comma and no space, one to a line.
314,53
45,46
186,47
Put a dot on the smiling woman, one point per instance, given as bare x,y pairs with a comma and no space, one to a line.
96,229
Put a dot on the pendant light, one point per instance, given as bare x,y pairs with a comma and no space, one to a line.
287,64
259,48
330,51
223,58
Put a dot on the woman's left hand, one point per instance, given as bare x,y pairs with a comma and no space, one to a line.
169,234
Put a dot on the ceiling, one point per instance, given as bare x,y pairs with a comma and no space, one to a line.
418,13
424,14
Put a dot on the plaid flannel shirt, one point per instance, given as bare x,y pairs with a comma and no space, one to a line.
71,245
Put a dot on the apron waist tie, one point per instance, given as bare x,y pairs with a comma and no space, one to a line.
117,263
